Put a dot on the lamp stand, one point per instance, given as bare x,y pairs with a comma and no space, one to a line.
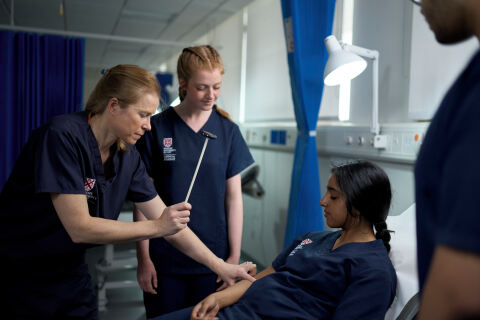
379,141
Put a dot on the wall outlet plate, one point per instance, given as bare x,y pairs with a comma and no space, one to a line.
380,141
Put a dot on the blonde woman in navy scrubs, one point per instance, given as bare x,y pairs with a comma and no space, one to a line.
169,278
66,191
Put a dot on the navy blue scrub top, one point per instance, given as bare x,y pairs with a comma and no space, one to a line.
355,281
62,156
447,175
171,151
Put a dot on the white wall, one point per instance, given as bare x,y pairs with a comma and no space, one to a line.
268,93
264,219
383,25
414,70
428,88
91,77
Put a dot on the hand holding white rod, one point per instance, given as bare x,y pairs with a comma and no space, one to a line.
207,136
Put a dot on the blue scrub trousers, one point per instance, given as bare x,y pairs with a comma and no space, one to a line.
176,292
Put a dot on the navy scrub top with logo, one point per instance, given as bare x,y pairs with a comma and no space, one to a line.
171,151
355,281
63,157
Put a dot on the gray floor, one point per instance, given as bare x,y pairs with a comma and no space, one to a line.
123,303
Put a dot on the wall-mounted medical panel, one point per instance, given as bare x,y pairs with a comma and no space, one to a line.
272,136
403,141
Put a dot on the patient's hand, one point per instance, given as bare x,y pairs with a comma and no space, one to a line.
250,268
206,309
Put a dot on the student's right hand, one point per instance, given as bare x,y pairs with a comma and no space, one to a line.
147,275
206,309
174,218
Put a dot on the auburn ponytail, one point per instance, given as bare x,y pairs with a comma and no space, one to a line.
223,113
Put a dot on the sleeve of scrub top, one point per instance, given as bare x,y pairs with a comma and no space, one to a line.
57,164
141,187
457,217
239,157
365,296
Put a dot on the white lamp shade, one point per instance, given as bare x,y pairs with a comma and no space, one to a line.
341,65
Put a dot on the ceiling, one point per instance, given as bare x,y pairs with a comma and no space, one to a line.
160,28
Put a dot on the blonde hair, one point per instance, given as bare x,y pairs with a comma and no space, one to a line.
125,82
193,59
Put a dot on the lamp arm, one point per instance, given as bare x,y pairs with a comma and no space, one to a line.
374,56
364,52
375,129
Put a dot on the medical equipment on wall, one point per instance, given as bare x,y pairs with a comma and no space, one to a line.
250,184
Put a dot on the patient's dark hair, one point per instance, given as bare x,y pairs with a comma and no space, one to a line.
367,189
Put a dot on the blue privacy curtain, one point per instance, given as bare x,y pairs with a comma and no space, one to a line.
40,77
306,23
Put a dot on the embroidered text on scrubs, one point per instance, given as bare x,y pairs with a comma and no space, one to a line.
89,184
168,151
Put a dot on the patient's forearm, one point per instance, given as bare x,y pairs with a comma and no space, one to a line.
232,294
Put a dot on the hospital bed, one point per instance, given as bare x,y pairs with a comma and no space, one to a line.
403,255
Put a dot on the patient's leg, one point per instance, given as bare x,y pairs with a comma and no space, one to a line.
183,314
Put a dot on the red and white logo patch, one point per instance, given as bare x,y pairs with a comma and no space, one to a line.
167,142
89,184
306,241
300,246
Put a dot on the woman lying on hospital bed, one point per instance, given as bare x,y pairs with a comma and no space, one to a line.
343,274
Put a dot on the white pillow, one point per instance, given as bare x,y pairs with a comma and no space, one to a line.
403,254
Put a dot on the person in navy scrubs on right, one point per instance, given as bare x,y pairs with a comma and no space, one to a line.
447,178
171,280
344,274
65,192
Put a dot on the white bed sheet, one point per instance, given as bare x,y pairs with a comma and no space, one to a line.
403,254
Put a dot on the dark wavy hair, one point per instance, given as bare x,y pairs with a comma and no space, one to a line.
367,190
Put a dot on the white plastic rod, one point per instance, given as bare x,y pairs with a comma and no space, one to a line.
375,125
196,170
207,136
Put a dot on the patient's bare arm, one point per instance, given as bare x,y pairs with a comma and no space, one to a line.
210,306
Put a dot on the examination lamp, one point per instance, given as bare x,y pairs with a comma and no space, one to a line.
344,63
